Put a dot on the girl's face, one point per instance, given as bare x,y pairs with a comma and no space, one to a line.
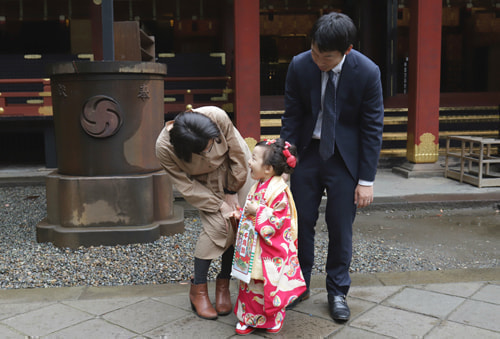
258,170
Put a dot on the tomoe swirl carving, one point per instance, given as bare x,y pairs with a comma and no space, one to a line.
101,116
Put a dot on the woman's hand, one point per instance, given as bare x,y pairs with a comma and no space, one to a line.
237,214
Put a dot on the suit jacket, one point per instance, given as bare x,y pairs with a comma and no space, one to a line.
360,110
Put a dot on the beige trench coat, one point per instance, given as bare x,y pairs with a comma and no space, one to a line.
202,181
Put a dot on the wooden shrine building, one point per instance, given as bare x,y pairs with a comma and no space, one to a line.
439,62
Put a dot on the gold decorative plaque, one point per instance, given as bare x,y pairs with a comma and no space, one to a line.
426,152
251,142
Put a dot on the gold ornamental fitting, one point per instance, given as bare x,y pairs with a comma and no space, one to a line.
189,107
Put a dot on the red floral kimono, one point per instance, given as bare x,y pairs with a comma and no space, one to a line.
276,277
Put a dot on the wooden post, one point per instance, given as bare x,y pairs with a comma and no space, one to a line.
108,46
96,24
424,81
247,69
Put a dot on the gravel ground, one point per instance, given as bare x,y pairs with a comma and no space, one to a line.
24,263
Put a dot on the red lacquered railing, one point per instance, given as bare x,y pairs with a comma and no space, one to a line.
39,103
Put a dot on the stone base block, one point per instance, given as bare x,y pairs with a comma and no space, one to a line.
71,237
412,170
93,211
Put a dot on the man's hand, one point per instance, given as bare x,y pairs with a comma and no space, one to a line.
363,196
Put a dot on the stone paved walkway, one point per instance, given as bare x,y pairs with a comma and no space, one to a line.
437,304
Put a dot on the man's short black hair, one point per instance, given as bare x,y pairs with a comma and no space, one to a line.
333,32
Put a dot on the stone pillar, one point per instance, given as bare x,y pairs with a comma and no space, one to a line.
109,187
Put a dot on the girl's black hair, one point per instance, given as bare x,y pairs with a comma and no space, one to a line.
274,156
333,32
191,133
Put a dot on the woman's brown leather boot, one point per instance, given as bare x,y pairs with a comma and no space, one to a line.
222,297
200,303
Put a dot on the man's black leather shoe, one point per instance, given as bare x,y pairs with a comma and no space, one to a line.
338,308
305,295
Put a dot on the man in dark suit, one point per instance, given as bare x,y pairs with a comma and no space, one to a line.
334,115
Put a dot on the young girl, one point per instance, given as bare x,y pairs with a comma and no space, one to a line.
275,278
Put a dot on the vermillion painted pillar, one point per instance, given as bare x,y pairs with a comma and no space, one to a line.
247,69
424,76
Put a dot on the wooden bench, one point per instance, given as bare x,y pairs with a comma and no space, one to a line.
475,159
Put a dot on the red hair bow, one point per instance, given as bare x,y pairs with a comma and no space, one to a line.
290,159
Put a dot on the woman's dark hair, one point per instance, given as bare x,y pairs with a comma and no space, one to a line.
274,155
333,32
191,133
